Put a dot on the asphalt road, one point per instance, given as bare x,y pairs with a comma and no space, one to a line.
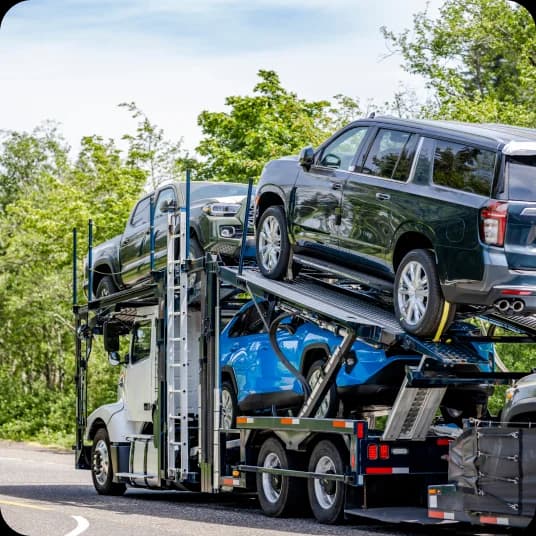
42,494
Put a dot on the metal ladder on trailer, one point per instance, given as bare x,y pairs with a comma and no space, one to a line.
177,347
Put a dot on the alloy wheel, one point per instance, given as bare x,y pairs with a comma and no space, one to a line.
270,242
271,484
101,462
413,292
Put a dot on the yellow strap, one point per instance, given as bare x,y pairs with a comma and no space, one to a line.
443,321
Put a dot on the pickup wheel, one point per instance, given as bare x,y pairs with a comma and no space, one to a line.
326,497
106,287
417,296
278,495
273,246
102,471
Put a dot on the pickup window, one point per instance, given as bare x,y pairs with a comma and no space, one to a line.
141,342
164,197
140,216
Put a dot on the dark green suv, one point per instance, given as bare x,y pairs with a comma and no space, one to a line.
440,214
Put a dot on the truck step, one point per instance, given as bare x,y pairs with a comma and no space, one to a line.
413,412
134,475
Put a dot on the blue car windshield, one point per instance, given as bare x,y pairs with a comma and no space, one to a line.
521,172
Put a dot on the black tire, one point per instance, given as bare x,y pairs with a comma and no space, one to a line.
102,472
330,404
433,302
273,248
326,497
106,287
196,250
229,406
278,495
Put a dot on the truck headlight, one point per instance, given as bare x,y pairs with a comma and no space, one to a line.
222,209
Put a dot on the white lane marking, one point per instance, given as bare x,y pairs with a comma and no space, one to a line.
82,526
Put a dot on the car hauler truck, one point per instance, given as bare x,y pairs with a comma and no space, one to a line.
164,431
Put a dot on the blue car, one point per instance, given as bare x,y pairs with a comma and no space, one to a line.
255,381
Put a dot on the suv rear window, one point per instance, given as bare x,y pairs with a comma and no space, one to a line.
463,167
521,172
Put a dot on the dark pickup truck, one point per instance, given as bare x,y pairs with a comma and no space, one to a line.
217,211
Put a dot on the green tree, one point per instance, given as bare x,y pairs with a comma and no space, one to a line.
150,151
477,57
268,124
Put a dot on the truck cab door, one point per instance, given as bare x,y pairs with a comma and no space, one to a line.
139,381
132,256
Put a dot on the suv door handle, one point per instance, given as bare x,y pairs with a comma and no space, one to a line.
383,197
336,185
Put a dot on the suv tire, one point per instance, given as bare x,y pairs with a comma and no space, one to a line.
273,246
417,295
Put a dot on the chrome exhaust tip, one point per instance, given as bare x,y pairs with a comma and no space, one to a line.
502,305
518,306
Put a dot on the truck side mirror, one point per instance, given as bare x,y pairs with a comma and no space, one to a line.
114,358
110,337
307,157
170,205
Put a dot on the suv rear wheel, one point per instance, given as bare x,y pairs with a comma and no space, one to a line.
417,296
273,247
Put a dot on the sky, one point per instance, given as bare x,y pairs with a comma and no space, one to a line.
74,61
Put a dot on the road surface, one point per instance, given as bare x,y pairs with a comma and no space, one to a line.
42,494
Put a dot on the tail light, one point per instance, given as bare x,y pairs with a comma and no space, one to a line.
372,451
493,223
384,452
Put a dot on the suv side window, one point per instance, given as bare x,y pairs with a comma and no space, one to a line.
463,167
141,342
141,213
249,322
340,153
391,155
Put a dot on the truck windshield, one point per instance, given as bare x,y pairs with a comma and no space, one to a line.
210,190
521,173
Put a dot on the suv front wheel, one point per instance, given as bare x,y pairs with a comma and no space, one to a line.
417,296
273,247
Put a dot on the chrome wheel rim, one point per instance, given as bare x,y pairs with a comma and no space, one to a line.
270,242
325,490
226,409
101,462
322,410
271,484
413,293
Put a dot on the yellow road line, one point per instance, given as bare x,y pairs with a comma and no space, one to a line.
23,505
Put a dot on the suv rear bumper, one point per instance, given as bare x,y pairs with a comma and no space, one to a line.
497,279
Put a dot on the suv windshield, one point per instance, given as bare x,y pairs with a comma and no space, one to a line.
521,172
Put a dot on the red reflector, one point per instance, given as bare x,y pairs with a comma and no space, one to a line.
379,471
352,461
436,514
384,452
443,442
513,292
372,452
360,430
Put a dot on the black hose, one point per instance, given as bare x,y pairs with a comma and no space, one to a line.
293,370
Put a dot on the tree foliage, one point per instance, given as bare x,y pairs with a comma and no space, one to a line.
478,57
270,123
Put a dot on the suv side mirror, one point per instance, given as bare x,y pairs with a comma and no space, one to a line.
307,156
169,205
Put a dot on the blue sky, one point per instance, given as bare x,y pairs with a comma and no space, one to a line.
74,60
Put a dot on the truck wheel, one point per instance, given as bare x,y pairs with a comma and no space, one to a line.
273,247
417,296
101,466
328,407
106,287
278,495
229,406
326,497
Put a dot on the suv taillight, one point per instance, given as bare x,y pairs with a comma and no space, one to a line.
493,223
